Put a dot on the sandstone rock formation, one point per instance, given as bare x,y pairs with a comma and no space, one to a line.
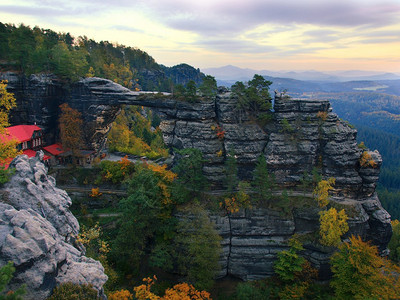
302,135
37,233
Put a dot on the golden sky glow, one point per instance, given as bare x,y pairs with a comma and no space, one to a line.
321,35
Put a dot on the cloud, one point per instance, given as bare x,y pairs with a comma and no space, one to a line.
234,46
127,28
234,17
52,10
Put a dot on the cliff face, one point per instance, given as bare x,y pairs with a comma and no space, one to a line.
37,233
302,135
38,99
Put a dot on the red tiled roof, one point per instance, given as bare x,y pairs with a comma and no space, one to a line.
55,149
22,133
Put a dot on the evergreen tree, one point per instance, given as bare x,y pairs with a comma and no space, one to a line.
190,171
209,87
231,173
263,181
197,247
6,274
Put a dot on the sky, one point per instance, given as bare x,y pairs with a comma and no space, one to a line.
323,35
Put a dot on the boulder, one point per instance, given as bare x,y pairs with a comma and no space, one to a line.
38,232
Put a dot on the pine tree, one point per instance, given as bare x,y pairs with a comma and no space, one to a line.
263,181
231,173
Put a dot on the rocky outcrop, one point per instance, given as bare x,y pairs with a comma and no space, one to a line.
253,237
37,233
302,135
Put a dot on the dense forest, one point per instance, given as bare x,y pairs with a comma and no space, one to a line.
35,50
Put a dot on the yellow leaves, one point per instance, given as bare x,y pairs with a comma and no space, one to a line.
332,226
166,195
360,273
219,153
91,72
121,74
321,192
366,160
181,291
7,102
87,235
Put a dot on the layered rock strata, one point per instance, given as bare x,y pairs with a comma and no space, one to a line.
302,135
37,233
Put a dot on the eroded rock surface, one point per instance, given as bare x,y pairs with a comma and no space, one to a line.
37,233
302,135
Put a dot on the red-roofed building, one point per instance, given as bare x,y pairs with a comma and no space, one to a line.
28,136
55,149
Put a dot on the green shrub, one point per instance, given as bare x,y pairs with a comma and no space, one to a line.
73,291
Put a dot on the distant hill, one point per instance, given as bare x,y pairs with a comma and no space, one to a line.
231,73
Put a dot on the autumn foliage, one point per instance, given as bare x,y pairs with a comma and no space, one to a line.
70,124
333,225
321,192
120,295
95,193
181,291
7,102
366,160
322,115
360,273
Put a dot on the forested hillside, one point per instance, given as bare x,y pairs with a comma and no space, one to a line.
35,50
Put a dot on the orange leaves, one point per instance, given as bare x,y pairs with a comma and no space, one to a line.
366,160
181,291
125,164
322,115
95,193
184,291
230,205
143,292
220,133
120,295
71,124
162,172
